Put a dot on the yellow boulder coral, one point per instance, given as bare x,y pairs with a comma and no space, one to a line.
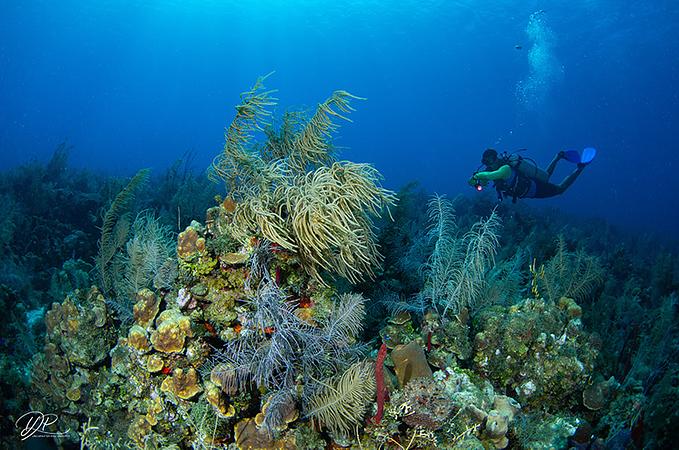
214,396
183,384
138,340
155,407
189,243
154,363
146,308
172,329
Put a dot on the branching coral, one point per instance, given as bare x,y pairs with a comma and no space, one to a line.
236,165
310,146
330,210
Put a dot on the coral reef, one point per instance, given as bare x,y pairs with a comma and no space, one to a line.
446,410
283,332
259,327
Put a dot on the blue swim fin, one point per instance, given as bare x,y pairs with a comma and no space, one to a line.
575,157
588,155
572,156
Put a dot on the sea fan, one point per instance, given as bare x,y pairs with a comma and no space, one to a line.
259,262
280,405
289,190
331,347
311,146
233,364
504,281
294,350
480,245
268,362
166,274
396,304
443,263
237,166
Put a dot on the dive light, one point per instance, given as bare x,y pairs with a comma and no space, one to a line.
477,183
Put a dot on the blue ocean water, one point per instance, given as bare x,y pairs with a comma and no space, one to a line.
136,84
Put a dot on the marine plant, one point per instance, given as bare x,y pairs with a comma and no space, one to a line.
504,281
149,252
400,240
133,254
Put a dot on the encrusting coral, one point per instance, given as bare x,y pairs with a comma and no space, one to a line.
182,384
537,349
146,308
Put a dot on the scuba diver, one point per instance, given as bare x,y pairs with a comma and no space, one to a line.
519,177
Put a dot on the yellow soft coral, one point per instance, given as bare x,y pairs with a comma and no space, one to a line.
292,193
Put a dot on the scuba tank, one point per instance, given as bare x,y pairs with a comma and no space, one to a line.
526,167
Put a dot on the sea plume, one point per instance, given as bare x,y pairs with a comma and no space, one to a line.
290,190
455,271
341,402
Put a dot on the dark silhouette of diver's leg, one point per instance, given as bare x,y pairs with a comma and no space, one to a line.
552,165
566,183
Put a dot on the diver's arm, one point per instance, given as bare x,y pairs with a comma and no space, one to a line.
503,173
